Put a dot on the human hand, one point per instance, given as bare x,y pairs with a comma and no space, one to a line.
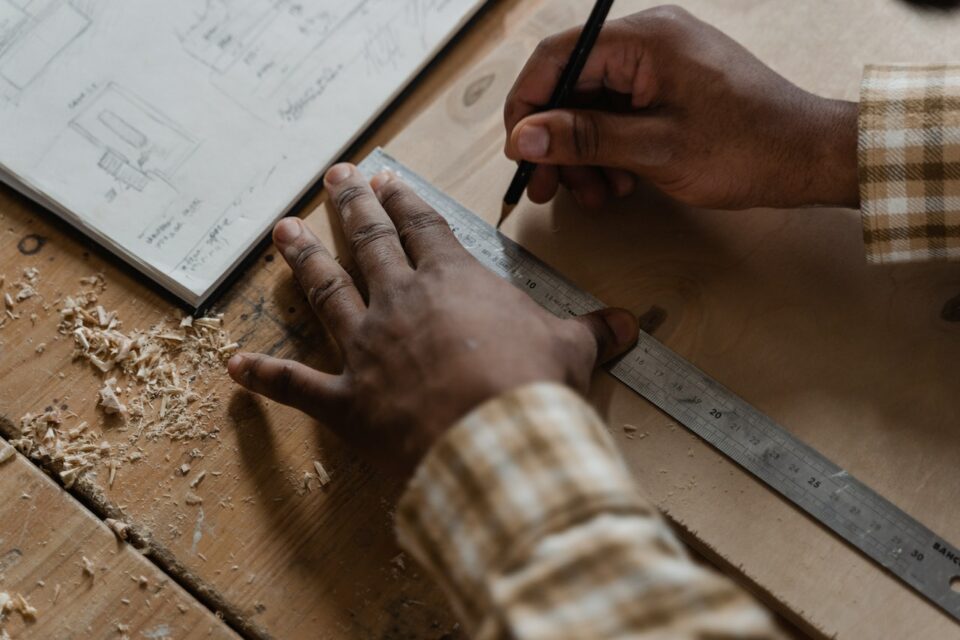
439,334
673,101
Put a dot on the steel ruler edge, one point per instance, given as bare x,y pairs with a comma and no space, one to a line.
866,520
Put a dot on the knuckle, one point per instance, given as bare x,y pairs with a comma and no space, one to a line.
420,221
320,294
586,136
350,194
307,252
283,379
369,233
392,194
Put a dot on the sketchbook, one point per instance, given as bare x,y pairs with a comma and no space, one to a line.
176,133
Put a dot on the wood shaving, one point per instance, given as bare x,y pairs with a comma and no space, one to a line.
120,529
108,398
196,481
192,499
87,566
41,347
142,582
183,469
6,452
28,612
16,603
152,382
322,474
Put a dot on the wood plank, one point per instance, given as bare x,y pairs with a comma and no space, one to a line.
779,305
46,536
273,558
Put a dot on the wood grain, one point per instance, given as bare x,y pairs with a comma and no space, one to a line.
45,537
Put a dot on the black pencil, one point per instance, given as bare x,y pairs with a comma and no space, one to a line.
566,83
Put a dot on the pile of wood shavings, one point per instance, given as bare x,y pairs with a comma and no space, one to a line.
25,289
161,365
151,385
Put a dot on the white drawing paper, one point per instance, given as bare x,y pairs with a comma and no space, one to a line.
178,132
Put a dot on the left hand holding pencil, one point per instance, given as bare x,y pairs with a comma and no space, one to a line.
671,100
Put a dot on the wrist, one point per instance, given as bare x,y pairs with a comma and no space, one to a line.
831,146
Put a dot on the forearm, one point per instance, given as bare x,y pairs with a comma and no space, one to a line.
527,516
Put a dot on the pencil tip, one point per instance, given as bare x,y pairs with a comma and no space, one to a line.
504,212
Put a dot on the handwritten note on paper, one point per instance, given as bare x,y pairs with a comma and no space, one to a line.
177,132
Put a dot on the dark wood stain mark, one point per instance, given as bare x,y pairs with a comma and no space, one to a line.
9,559
951,309
31,244
652,319
477,88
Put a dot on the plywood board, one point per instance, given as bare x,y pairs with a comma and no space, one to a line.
779,305
47,542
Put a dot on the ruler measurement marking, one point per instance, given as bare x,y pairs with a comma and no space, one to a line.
746,436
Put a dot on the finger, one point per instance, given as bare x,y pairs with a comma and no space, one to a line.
585,137
330,291
613,330
621,182
423,232
369,232
543,183
288,382
587,184
618,61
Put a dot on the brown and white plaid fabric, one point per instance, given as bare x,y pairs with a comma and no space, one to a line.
527,516
909,156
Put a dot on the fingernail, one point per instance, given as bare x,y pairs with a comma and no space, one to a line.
233,364
533,141
339,173
287,230
623,325
380,179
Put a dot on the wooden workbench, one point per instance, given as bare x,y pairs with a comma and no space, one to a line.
778,305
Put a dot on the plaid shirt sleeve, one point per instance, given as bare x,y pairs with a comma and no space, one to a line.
909,157
526,515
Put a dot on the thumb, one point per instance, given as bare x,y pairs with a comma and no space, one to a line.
615,331
577,137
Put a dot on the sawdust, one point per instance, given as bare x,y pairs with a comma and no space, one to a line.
154,382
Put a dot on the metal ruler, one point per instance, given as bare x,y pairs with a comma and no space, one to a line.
906,548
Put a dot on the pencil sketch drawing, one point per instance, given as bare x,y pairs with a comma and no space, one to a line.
136,140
